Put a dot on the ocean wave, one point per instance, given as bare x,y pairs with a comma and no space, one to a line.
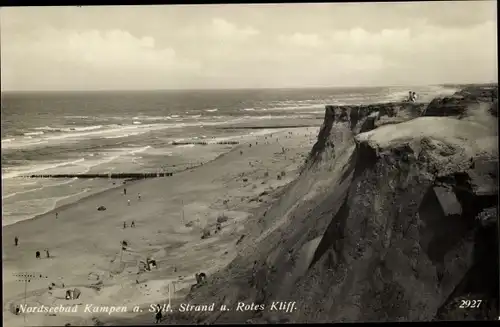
185,146
33,208
140,150
27,184
69,129
300,107
142,118
88,133
125,135
8,140
77,117
153,118
39,168
37,189
248,109
112,131
33,133
211,110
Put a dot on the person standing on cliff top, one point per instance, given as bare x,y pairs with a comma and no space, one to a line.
409,97
412,96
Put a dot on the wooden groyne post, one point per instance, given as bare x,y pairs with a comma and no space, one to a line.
107,175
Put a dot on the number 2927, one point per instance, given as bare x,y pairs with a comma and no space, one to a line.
470,304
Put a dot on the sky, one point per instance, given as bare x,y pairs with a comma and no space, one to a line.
247,45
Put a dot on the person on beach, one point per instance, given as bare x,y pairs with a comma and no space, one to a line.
128,202
124,191
158,315
47,253
16,241
133,224
254,274
57,215
414,96
139,196
37,254
124,225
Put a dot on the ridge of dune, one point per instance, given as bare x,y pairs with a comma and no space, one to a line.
392,218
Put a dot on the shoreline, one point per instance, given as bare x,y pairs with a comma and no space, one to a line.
176,169
135,181
84,241
104,192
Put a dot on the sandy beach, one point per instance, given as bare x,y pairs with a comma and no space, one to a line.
84,243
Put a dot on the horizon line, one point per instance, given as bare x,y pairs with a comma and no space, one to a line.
246,88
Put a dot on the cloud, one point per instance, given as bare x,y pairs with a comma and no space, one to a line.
217,29
97,55
301,40
423,39
420,54
223,28
245,46
107,49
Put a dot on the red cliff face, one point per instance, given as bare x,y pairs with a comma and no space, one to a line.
463,102
341,123
393,218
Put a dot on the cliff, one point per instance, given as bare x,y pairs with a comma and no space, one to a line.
393,218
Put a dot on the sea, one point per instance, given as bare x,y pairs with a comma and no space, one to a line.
133,131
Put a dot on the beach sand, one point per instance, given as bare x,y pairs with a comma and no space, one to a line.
85,244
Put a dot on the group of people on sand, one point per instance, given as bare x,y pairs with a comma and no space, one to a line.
128,201
131,225
38,255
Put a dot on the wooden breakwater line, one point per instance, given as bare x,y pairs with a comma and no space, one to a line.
205,143
131,176
127,176
109,176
